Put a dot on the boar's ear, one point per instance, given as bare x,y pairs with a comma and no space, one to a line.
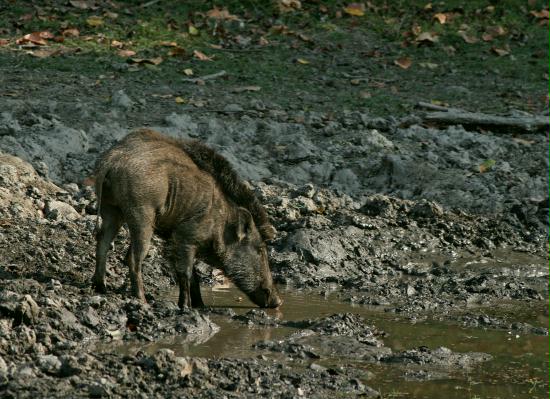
245,223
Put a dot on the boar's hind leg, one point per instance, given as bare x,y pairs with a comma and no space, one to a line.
188,281
141,231
110,224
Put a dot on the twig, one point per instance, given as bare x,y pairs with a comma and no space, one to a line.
454,116
149,3
206,77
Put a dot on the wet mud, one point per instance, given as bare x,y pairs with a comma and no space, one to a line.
403,268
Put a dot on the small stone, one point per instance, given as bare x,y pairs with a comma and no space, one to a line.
57,210
49,364
317,367
233,108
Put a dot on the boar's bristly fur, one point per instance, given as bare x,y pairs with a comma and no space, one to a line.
190,195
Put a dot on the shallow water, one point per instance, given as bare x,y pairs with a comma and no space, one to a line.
519,368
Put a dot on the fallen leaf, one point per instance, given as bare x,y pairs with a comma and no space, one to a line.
222,14
487,37
427,37
126,53
176,52
151,61
110,14
192,30
36,38
4,42
302,61
523,141
81,4
116,44
355,82
441,17
246,88
201,56
468,38
70,32
44,52
262,41
440,103
540,14
403,62
94,21
428,65
180,100
365,94
355,9
26,17
188,72
496,31
289,5
168,44
500,51
487,165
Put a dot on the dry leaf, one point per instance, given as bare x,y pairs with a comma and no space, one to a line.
94,21
289,5
246,88
70,32
523,141
365,94
302,61
540,14
500,51
110,15
496,31
192,30
176,52
4,42
116,44
188,72
429,65
441,17
201,56
487,37
180,100
151,61
224,14
355,82
81,4
126,53
36,38
44,52
168,44
468,38
487,165
427,37
262,41
403,62
355,9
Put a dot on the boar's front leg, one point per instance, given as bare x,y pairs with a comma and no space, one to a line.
188,281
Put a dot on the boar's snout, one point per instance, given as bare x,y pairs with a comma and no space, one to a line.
266,298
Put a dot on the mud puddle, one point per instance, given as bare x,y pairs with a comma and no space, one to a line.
517,369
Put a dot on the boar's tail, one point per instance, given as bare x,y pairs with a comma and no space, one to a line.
210,161
100,178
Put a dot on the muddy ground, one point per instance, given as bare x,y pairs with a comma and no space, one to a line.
389,226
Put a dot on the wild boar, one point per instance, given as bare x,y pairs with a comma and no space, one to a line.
190,195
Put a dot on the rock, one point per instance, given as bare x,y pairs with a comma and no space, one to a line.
49,364
3,366
233,108
121,100
57,210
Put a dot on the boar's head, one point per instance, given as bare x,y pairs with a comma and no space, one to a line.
245,261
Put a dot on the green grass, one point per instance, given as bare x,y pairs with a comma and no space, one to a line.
473,77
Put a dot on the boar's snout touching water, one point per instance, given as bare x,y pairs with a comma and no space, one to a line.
190,195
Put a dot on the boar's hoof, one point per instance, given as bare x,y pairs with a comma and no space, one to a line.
99,287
